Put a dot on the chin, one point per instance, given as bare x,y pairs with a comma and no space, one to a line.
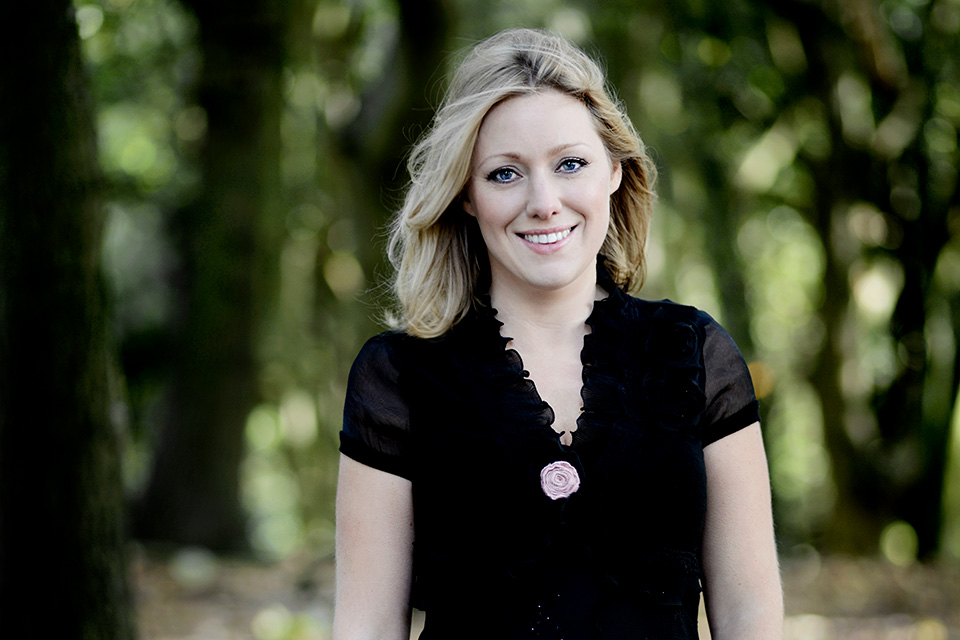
545,278
555,281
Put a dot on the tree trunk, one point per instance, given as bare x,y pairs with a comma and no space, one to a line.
62,561
378,140
899,475
229,243
913,426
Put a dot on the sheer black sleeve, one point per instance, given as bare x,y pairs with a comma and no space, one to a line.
731,402
376,418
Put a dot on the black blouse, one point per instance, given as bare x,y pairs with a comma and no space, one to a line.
494,556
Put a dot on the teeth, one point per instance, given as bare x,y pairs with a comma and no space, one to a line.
547,238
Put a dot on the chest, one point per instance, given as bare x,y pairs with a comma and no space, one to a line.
484,433
484,425
557,378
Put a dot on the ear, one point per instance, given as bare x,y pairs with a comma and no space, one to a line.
467,204
616,176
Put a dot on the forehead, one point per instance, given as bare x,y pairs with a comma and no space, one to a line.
537,118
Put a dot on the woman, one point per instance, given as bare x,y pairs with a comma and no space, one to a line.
534,452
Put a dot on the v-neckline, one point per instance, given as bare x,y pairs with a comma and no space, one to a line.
581,423
595,391
535,391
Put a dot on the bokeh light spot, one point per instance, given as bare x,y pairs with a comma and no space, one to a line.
272,623
898,543
194,568
89,20
343,275
572,23
262,429
876,289
298,413
662,101
191,124
764,378
713,52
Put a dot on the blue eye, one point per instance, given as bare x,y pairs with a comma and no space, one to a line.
572,165
503,174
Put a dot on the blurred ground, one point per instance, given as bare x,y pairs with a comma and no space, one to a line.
192,595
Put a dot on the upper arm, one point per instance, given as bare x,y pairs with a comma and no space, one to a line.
374,554
742,580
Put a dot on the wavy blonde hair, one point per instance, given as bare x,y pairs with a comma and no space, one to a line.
439,258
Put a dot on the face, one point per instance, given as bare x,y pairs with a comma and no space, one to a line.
540,188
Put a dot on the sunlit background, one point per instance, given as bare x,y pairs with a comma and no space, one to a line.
808,201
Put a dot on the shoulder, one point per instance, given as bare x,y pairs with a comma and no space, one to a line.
379,360
660,315
378,351
395,349
391,344
670,324
667,309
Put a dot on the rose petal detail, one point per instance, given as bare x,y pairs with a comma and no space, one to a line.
559,480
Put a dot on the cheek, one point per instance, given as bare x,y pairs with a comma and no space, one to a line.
492,209
597,200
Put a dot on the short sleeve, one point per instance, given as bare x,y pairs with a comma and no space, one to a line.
731,403
376,418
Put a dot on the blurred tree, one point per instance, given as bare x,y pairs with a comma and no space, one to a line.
848,113
61,534
808,162
399,100
686,143
877,72
229,245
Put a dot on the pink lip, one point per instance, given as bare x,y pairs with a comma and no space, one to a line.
536,232
545,249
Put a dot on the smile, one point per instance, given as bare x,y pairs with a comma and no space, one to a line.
546,238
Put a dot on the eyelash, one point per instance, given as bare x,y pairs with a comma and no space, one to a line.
496,174
580,162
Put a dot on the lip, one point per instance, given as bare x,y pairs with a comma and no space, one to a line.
551,247
534,232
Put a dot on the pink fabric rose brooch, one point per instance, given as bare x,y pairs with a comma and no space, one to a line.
559,480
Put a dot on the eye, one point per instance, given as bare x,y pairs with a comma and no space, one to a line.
572,165
502,175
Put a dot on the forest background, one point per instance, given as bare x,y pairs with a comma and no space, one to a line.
192,206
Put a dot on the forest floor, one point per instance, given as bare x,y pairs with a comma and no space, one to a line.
193,595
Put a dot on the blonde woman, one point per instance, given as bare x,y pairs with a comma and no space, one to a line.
533,452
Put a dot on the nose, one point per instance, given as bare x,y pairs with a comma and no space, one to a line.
543,197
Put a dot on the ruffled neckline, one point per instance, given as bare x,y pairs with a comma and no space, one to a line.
599,393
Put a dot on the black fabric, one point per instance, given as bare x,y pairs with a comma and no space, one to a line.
493,556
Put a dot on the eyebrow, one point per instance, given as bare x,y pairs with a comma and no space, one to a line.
513,155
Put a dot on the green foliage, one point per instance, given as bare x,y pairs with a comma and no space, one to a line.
806,151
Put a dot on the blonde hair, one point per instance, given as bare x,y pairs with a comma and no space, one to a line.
436,250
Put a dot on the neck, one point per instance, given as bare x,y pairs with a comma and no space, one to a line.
547,314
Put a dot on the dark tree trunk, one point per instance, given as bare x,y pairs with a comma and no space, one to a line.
378,140
229,243
900,474
721,219
62,561
920,432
